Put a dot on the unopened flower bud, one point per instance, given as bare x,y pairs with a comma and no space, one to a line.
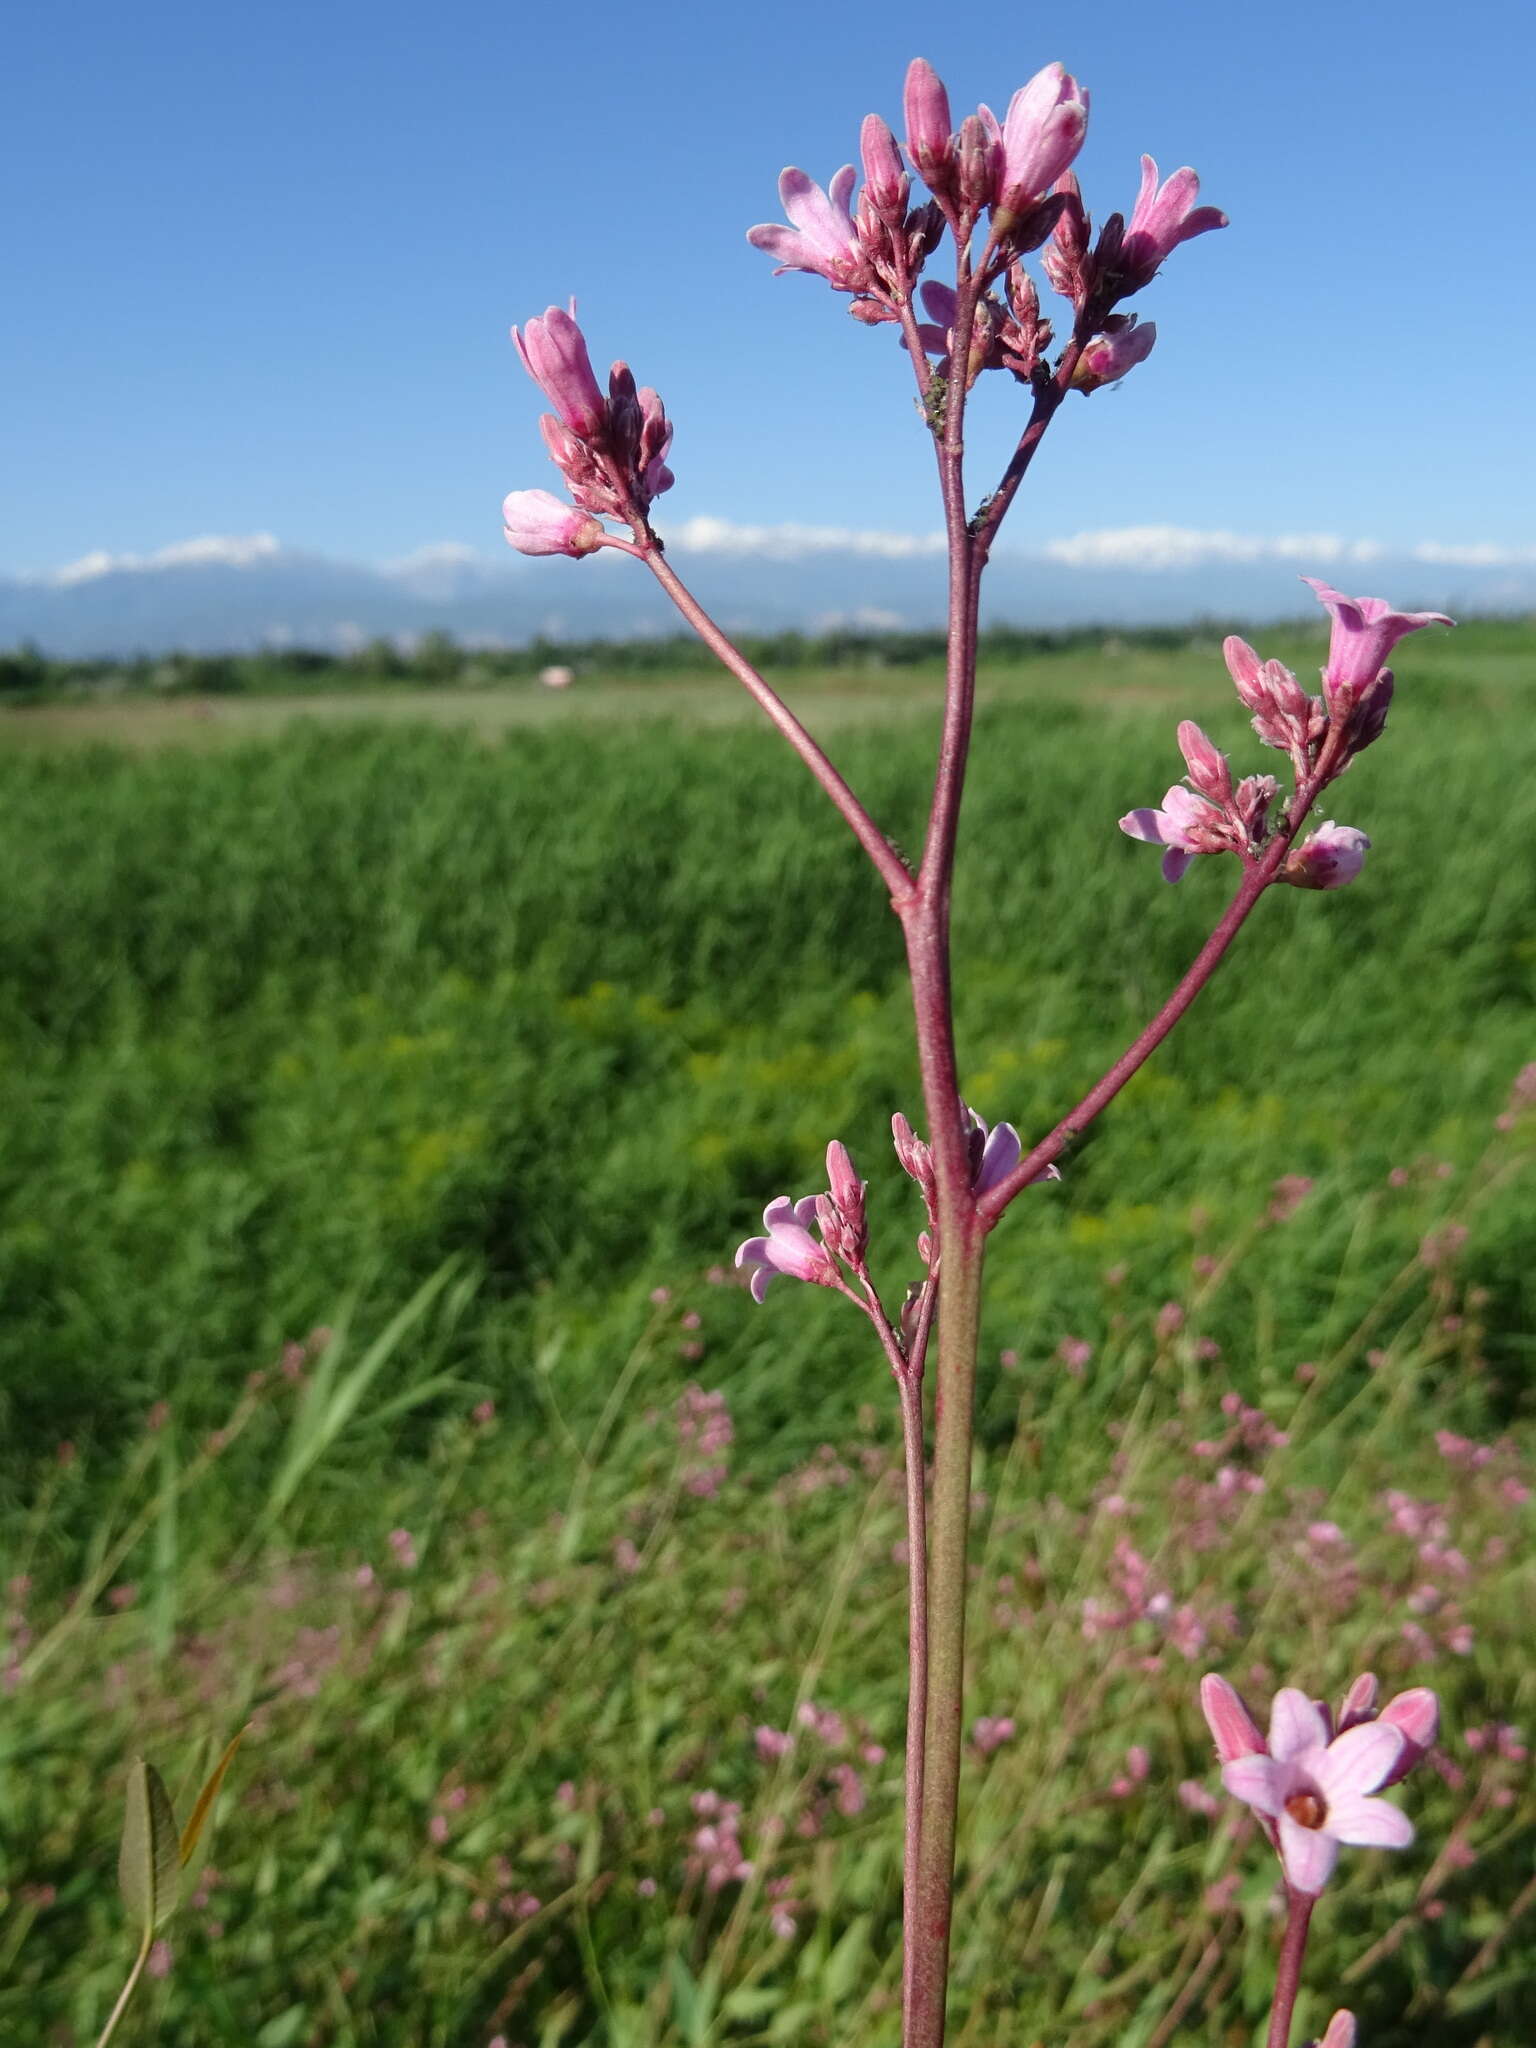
1250,803
1415,1714
1046,122
1233,1729
1330,859
1359,1703
885,180
847,1199
976,160
1111,355
1340,2032
1207,765
914,1155
554,353
1066,257
926,104
537,523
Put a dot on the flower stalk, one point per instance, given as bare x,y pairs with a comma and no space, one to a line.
1002,190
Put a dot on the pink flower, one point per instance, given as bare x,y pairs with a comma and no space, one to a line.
1111,356
1365,631
822,237
1044,129
788,1248
995,1153
990,1731
1164,216
1182,825
1329,859
538,523
554,354
1313,1791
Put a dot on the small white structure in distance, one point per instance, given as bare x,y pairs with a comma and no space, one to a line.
557,678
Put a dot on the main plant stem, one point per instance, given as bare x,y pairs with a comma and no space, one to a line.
927,1974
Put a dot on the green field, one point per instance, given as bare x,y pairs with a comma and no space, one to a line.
459,1024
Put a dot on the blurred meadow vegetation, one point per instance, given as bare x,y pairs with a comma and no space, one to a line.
388,1077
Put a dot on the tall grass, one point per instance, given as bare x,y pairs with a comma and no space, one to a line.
462,1050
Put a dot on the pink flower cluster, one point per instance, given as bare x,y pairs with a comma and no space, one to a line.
705,1434
610,450
1016,172
1321,736
789,1250
718,1858
1311,1782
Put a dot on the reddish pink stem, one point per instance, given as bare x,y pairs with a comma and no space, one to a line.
1288,1977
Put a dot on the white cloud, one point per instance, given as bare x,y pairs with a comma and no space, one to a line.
1473,554
1182,547
231,551
706,536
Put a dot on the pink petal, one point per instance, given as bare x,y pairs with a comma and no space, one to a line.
785,244
809,208
1369,1823
1148,186
1308,1855
1150,826
1176,864
1185,808
1359,1760
1296,1724
1256,1781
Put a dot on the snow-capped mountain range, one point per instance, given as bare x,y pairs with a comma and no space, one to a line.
238,593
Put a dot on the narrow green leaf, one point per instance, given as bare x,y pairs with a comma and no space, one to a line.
205,1799
148,1865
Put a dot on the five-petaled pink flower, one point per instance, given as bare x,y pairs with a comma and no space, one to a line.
554,353
1314,1791
788,1249
822,238
1365,631
1164,216
537,523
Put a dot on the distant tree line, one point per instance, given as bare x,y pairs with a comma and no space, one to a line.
437,660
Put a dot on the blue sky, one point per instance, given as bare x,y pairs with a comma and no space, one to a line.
263,262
